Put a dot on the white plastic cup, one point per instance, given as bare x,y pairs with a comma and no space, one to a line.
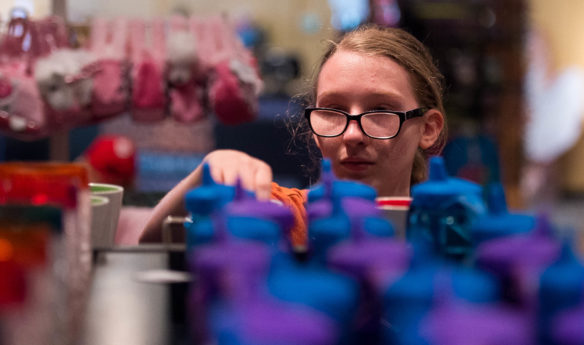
395,209
100,222
106,227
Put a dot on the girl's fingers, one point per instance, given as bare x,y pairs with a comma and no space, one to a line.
263,181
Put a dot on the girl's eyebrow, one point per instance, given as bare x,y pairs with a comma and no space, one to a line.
387,98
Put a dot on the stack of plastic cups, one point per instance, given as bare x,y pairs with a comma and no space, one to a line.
65,186
561,287
499,222
443,210
31,295
373,260
518,261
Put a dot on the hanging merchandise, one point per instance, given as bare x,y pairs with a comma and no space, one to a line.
184,76
63,77
110,83
21,107
234,81
186,67
147,56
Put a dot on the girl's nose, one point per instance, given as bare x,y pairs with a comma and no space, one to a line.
353,133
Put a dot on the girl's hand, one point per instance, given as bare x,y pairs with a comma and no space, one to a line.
229,165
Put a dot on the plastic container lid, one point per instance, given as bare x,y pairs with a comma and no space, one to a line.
334,294
381,259
533,250
499,221
256,229
323,233
362,255
330,187
343,188
244,263
439,184
366,215
250,207
209,196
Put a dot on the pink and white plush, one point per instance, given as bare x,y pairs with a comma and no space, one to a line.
110,83
21,107
185,76
65,84
147,54
234,82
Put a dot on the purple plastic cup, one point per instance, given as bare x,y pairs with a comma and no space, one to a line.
519,260
457,323
268,322
567,328
377,261
227,269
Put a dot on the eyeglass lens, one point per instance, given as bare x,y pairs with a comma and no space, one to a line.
332,123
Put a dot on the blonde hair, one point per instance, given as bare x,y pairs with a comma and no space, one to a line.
408,52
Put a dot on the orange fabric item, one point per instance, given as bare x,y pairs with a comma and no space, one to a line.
295,199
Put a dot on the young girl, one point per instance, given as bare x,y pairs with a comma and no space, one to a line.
376,112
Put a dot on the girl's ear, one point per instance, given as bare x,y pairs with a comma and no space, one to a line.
432,127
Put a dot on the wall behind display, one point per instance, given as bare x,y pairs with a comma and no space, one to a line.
562,22
36,8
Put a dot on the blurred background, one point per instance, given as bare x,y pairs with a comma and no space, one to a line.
514,90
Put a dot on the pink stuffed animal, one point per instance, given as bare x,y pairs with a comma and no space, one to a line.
110,83
64,80
234,83
21,108
184,74
147,56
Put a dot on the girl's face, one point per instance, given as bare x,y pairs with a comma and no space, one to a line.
356,83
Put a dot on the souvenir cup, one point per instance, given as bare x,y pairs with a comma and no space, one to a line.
105,230
395,210
101,236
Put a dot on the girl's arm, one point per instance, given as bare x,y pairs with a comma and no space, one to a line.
226,167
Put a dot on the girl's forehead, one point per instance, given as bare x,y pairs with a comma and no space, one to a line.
353,74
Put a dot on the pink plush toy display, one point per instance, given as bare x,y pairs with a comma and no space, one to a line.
234,80
185,75
180,67
147,54
21,106
110,83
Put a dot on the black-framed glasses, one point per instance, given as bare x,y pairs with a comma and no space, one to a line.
377,124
